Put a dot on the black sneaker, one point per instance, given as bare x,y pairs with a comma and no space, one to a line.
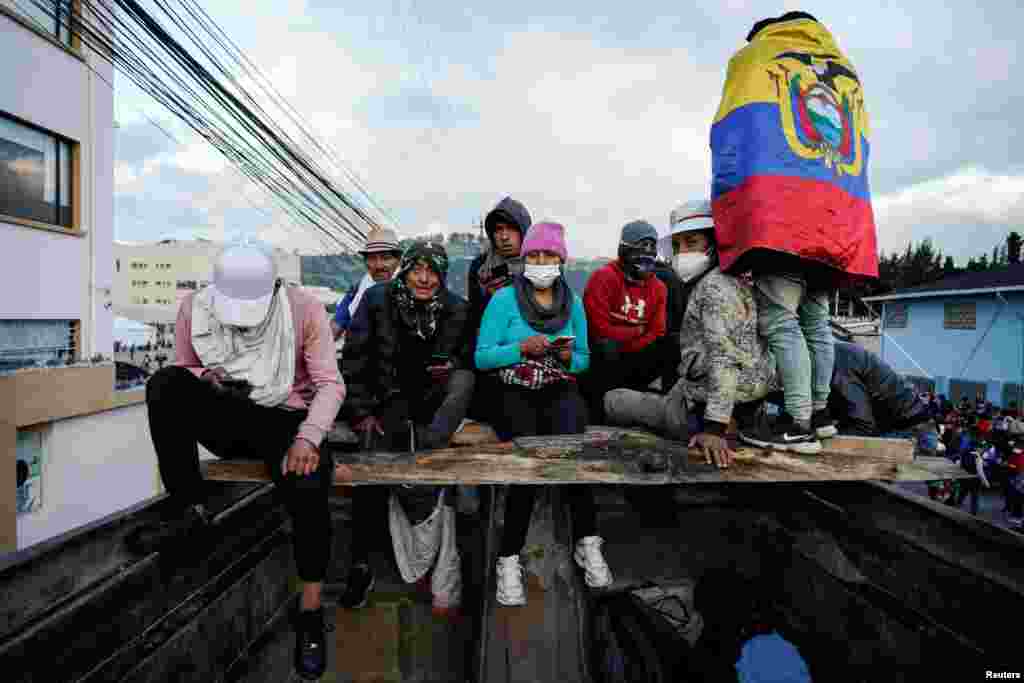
187,525
823,424
784,435
360,583
310,644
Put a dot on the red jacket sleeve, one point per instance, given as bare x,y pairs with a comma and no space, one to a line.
657,326
598,300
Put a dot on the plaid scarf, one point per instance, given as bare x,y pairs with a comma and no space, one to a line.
535,374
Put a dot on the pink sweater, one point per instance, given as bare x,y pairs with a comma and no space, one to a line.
318,386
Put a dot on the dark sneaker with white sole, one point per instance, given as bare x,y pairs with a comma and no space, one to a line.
357,592
823,424
784,435
310,644
752,424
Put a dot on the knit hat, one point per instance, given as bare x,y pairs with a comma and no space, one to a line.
380,240
431,253
638,230
545,237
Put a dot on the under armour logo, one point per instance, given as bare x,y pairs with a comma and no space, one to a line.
639,306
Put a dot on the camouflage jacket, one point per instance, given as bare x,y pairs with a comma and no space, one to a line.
723,361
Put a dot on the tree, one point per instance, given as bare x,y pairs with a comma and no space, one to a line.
1013,244
948,268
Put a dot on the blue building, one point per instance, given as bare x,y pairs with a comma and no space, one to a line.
963,335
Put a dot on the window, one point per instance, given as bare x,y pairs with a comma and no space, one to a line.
960,316
29,482
895,316
35,174
50,16
37,343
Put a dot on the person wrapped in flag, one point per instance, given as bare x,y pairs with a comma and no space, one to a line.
791,202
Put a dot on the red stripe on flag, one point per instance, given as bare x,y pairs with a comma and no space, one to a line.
814,220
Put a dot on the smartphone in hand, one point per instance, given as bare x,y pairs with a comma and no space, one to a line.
562,341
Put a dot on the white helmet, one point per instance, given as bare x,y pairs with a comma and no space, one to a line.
244,279
687,217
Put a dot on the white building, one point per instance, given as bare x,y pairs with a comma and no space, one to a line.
85,448
150,279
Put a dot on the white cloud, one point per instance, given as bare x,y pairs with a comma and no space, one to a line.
125,178
585,132
967,211
594,138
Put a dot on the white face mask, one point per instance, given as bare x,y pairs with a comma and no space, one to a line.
542,277
691,264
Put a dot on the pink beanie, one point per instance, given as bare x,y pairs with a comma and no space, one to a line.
545,237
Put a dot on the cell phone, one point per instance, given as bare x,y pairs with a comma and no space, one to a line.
500,270
439,358
562,341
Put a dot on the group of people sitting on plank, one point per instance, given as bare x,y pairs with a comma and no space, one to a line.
257,375
735,313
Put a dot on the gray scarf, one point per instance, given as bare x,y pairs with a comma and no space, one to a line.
543,320
492,259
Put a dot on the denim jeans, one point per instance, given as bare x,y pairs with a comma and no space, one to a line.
794,321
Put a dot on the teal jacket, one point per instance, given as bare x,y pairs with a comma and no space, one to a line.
503,328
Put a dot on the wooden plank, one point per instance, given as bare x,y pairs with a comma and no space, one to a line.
606,455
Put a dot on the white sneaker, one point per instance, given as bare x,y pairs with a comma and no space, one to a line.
588,556
510,582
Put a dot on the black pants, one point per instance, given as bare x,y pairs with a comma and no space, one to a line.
615,370
185,411
557,409
439,408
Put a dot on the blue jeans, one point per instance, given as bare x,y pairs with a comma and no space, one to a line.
794,322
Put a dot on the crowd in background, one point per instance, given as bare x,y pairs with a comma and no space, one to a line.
987,441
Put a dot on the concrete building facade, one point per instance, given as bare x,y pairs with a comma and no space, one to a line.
150,279
82,450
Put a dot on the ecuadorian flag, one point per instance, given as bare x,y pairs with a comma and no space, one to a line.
789,149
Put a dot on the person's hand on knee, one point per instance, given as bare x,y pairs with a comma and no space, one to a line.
302,458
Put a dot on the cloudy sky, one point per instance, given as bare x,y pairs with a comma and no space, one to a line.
592,113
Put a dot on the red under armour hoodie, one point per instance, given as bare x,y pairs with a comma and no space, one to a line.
608,291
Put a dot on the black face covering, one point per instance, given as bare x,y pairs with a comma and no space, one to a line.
637,258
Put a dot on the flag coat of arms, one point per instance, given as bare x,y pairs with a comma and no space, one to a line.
789,148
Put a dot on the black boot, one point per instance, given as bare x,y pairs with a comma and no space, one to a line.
310,644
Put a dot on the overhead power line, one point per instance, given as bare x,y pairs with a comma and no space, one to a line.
219,93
